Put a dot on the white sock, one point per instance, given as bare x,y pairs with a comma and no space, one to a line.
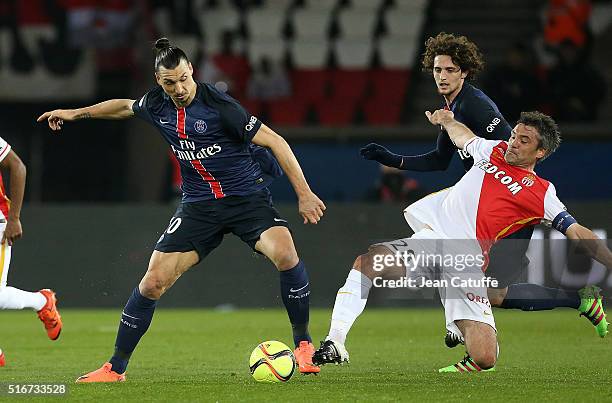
350,302
14,298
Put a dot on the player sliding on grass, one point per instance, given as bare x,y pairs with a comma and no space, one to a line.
225,189
498,196
453,61
43,301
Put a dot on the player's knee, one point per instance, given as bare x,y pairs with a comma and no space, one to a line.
285,258
357,263
152,286
496,300
363,263
368,263
360,264
497,296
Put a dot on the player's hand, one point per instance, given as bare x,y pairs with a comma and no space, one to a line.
374,152
439,117
56,118
379,153
13,231
311,208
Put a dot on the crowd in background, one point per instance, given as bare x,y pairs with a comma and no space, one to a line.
57,39
565,84
570,88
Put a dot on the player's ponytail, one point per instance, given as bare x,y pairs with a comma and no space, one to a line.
166,55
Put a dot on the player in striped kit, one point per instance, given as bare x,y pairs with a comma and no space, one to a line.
498,196
226,170
43,301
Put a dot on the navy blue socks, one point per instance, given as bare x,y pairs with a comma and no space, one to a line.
135,320
295,291
533,297
138,313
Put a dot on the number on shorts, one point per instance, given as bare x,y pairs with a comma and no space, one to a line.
175,222
398,244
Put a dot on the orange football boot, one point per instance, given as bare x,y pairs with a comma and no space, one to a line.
49,315
303,355
103,374
2,361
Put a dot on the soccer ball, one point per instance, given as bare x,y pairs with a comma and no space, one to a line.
272,361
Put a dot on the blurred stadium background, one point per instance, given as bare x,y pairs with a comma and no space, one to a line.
328,75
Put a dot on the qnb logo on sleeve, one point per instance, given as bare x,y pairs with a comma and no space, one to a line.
249,126
492,125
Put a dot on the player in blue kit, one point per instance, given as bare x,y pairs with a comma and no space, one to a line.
225,172
453,61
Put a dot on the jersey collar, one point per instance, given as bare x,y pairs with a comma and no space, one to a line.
460,96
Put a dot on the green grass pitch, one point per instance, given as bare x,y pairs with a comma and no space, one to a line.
202,355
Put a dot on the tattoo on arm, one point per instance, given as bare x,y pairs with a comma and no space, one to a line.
85,115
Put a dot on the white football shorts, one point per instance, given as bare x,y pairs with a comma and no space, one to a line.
454,267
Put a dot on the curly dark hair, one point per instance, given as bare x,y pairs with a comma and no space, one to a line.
462,51
550,136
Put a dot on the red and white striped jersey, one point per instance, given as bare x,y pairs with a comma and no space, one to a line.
5,148
491,201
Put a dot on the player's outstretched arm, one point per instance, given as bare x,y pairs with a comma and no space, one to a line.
435,160
587,240
111,109
310,206
17,173
459,133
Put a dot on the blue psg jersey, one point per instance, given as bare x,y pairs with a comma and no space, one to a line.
476,110
211,139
